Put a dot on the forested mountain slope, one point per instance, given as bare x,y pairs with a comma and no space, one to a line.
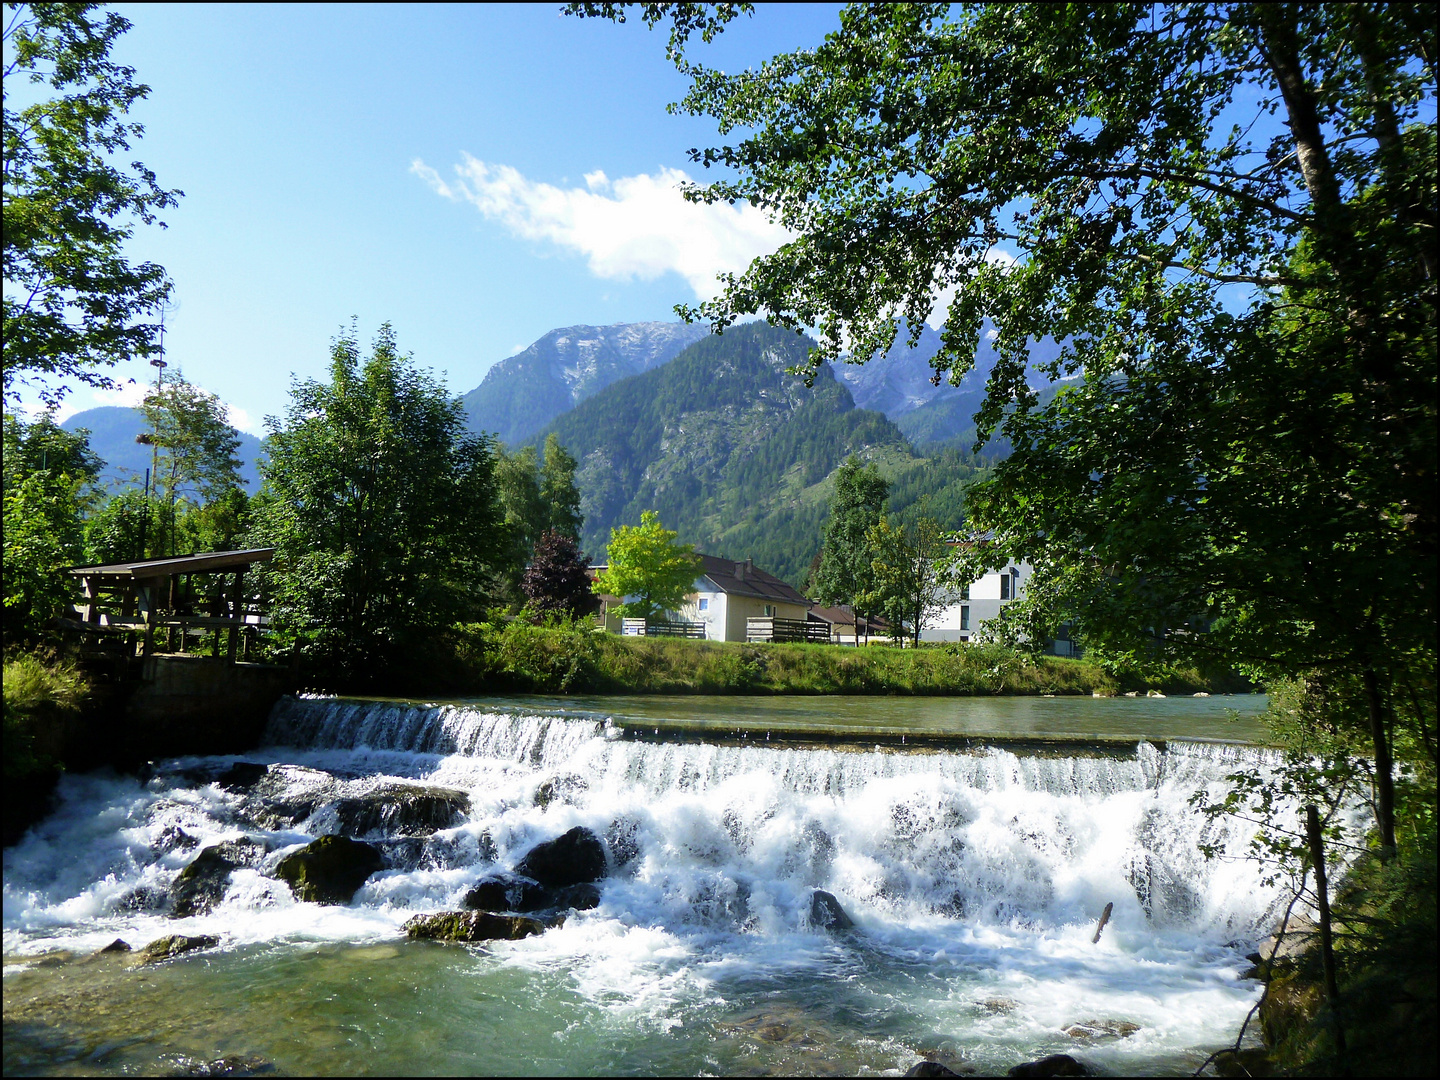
522,393
736,454
112,435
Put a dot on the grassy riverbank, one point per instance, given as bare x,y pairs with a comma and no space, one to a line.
519,657
42,697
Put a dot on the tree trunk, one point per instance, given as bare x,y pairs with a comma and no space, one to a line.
1384,778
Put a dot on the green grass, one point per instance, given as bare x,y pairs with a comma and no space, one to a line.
37,694
562,659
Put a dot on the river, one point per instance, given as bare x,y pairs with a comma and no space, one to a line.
974,873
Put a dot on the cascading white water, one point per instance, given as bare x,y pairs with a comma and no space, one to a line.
988,868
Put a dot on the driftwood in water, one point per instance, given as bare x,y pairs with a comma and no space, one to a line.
1104,918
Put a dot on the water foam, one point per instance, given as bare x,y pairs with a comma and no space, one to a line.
983,870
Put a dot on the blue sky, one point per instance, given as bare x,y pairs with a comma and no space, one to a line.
318,150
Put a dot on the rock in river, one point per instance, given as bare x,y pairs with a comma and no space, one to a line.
401,810
571,859
329,870
167,947
511,892
826,912
1054,1065
201,885
464,926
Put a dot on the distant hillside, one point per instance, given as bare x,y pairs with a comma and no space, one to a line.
899,385
524,392
734,453
112,435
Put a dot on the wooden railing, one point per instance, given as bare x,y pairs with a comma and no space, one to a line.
767,629
658,628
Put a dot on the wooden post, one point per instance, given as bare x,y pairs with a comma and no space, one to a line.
236,600
1104,918
143,601
1327,950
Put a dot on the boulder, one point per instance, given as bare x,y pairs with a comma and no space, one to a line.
242,776
1092,1030
1054,1065
467,926
167,948
201,885
930,1068
143,898
826,912
510,892
572,859
329,870
507,892
118,945
401,810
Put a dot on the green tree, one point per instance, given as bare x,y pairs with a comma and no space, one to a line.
557,581
646,564
73,301
1248,445
907,579
383,511
49,478
558,493
123,529
845,574
196,462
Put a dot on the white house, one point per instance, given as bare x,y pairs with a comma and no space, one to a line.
971,607
728,592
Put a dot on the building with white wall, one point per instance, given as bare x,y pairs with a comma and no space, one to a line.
969,608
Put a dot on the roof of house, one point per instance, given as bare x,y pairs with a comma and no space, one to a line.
843,615
746,579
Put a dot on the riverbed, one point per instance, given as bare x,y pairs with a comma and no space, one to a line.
974,875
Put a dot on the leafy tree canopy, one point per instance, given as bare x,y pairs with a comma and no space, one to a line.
557,581
648,568
196,448
49,483
383,509
845,574
1227,212
907,583
73,301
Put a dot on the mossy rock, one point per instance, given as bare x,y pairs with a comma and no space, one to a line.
167,948
470,926
329,870
401,810
1290,1004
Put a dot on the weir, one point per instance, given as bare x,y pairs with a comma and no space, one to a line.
984,867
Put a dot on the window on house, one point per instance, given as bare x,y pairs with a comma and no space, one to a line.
704,603
965,592
1004,586
769,611
964,618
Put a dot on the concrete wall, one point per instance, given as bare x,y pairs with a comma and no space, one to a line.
200,705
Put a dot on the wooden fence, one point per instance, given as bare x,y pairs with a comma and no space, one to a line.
655,628
763,629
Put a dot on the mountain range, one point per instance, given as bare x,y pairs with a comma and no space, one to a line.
112,435
522,393
736,454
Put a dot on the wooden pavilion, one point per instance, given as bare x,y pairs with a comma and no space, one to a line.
127,604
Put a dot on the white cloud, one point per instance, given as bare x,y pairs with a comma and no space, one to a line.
632,227
241,420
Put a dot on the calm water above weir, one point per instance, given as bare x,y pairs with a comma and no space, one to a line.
974,877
